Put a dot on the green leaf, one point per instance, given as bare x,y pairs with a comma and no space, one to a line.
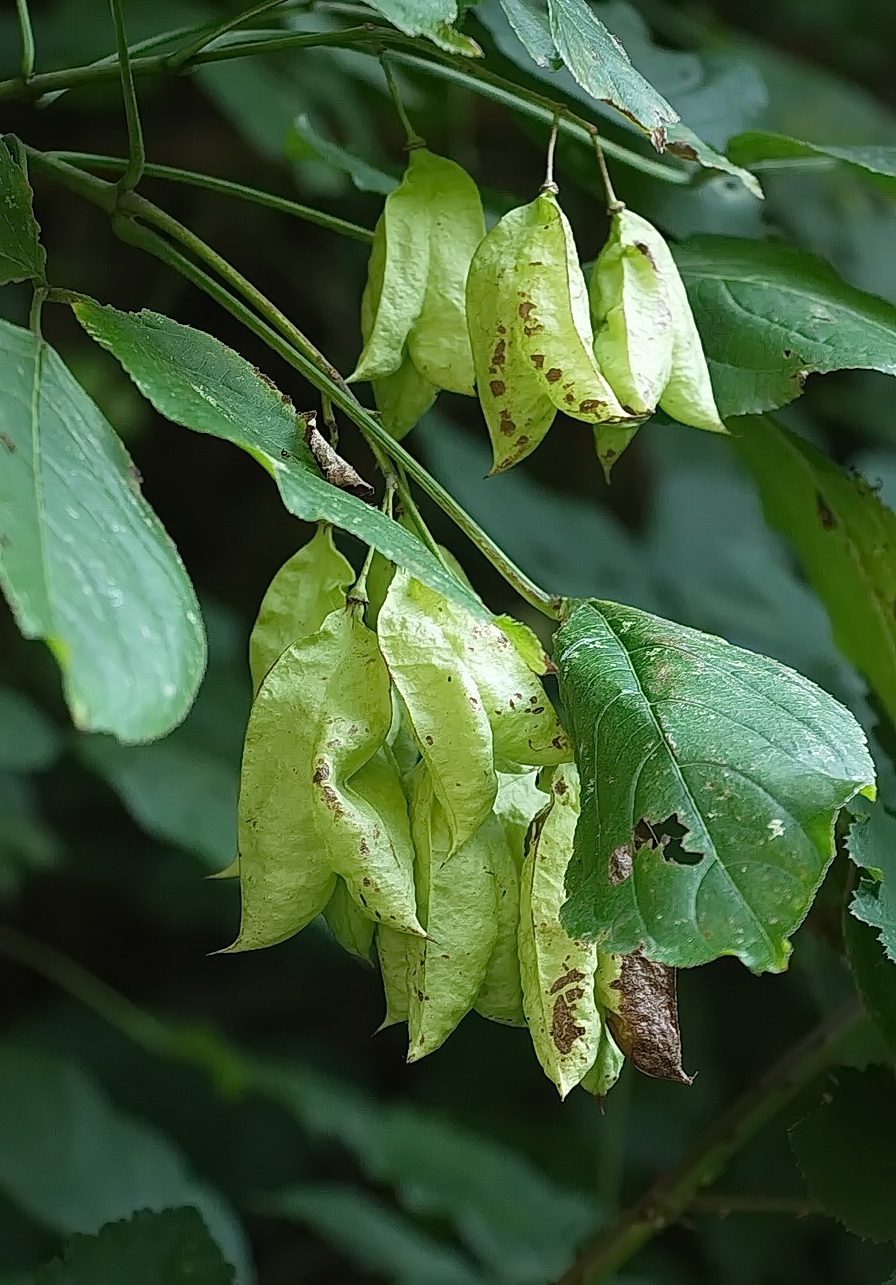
872,845
304,142
847,1152
176,791
376,1238
713,829
73,1162
149,1249
21,253
842,534
29,742
84,561
756,147
770,314
532,25
198,382
874,976
599,63
432,18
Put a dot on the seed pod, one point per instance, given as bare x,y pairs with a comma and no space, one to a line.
527,309
633,335
642,1012
403,398
607,1066
687,394
310,585
414,304
443,706
392,954
557,972
456,898
348,923
501,997
322,714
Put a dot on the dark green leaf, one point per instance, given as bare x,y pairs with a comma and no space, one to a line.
872,845
197,381
770,314
73,1162
432,18
532,25
84,561
149,1249
303,142
843,535
29,742
21,253
599,63
177,791
711,831
847,1152
874,976
376,1238
758,146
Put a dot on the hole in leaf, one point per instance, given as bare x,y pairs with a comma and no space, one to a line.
666,835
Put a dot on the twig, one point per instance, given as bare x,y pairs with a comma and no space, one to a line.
549,185
189,51
136,150
27,32
413,138
672,1193
613,202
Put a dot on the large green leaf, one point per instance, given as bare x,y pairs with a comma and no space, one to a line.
21,253
149,1249
770,314
197,381
711,779
843,535
757,147
432,18
847,1152
872,845
73,1162
304,142
84,561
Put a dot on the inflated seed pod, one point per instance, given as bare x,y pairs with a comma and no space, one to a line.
606,1068
311,584
457,905
394,961
442,703
403,398
413,307
530,331
347,922
321,716
557,973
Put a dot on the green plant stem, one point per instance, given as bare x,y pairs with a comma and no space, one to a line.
210,183
136,150
673,1192
286,340
413,138
27,32
189,51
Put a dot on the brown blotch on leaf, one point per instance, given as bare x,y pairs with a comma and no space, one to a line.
646,1026
535,329
553,375
525,308
537,360
502,330
620,864
497,388
560,787
646,251
507,426
498,357
321,773
335,469
825,516
8,443
565,1030
566,980
590,406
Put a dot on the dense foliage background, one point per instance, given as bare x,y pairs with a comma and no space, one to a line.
313,1150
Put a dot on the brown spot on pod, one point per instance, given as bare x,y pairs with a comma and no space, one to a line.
554,375
497,388
537,360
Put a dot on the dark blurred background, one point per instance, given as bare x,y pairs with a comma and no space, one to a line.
466,1167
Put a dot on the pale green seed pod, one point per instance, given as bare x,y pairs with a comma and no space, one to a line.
557,973
413,309
457,903
395,971
311,584
307,811
349,925
519,800
442,702
607,1066
633,333
527,310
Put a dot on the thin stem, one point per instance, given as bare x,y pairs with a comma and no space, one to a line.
613,202
136,150
413,138
549,185
210,183
27,32
37,303
672,1193
286,340
221,29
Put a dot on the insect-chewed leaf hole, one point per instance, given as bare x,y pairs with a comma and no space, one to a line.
666,835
